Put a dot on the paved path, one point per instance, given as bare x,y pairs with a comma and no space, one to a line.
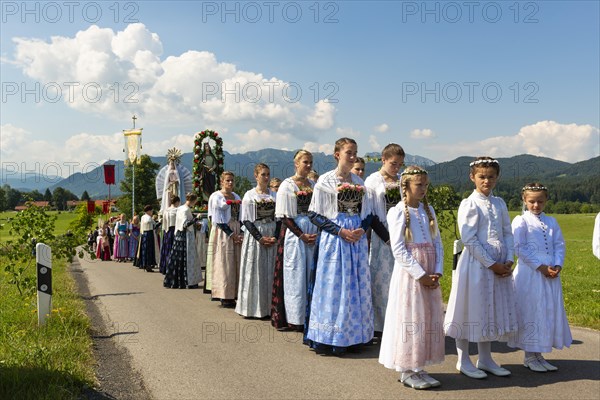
188,347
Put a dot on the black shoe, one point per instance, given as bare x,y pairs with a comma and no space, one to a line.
193,286
228,303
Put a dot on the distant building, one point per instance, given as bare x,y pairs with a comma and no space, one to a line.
35,203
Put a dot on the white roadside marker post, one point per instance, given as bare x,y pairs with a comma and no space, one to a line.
43,258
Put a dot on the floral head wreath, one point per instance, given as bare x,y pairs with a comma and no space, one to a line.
477,162
414,172
174,155
535,188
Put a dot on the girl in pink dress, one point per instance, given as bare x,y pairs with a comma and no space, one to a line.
413,335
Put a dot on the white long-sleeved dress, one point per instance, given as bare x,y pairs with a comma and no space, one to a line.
482,305
413,335
540,306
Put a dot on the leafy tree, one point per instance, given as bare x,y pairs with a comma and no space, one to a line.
48,196
514,204
85,196
145,189
34,195
31,226
13,198
85,221
60,196
444,198
241,185
2,199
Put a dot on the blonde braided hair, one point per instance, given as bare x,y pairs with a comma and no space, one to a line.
407,232
432,229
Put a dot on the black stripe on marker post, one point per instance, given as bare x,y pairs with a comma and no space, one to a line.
44,279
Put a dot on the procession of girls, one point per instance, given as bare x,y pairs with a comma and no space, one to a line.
116,239
299,256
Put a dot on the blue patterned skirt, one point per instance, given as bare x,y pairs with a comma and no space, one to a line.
147,258
165,249
176,272
341,310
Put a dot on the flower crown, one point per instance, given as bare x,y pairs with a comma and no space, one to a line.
414,172
477,162
534,188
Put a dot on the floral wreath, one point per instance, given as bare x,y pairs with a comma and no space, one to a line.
349,187
217,152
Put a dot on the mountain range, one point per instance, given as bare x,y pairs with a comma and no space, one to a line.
515,171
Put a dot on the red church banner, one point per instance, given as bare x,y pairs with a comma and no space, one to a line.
91,206
109,174
105,207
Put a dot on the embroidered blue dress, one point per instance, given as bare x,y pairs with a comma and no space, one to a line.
341,311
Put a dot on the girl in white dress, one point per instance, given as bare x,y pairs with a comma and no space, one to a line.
226,241
385,186
296,255
481,307
540,246
258,248
413,336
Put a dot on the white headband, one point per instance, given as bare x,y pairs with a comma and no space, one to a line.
534,188
477,162
414,172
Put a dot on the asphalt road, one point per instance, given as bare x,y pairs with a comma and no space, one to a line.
181,345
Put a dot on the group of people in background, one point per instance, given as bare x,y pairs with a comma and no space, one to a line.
116,239
345,260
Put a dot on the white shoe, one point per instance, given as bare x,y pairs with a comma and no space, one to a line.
498,371
545,363
433,382
475,374
533,364
415,381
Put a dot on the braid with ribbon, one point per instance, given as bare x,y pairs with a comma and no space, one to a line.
407,232
432,229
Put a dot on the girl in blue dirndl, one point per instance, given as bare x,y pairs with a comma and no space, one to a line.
341,311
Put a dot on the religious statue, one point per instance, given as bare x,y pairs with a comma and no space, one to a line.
207,173
172,180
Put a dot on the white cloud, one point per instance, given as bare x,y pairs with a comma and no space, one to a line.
313,147
422,134
256,140
123,73
374,143
81,152
383,128
322,117
347,132
565,142
11,138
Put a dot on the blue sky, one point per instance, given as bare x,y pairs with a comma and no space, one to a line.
443,79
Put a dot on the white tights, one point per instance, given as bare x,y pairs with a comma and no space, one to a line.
485,354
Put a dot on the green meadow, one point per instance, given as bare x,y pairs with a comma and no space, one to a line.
580,274
63,218
56,360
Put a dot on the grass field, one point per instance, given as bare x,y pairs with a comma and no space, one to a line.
51,362
580,275
63,218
